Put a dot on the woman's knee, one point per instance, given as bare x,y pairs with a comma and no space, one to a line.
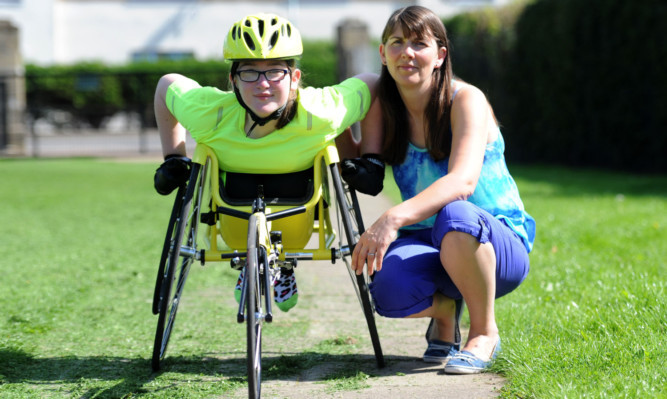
457,247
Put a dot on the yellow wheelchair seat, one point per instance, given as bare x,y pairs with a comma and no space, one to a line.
229,233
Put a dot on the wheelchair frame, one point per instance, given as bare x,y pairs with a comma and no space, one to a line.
262,253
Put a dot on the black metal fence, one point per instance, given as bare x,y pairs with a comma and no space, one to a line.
91,113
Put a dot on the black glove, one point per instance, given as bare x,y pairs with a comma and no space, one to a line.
173,173
364,174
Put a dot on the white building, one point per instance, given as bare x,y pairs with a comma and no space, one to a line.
118,31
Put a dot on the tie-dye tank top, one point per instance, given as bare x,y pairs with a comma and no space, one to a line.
496,192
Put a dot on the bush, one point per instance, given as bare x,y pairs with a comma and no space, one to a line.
481,45
91,92
573,82
319,63
593,83
84,89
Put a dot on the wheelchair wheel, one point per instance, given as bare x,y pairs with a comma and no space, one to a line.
166,248
254,318
350,214
182,241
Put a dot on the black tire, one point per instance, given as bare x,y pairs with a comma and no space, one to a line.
353,224
253,310
184,235
166,247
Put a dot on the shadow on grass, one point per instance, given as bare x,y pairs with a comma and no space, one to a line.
583,182
308,365
133,374
17,366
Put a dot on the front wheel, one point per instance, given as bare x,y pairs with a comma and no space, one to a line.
350,214
254,317
182,243
166,247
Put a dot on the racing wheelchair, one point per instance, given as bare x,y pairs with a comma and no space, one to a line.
259,235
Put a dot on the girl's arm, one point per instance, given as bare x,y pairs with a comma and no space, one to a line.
348,146
172,134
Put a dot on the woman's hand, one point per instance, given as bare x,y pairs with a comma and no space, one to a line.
373,244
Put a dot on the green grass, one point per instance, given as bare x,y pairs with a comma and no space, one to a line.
347,380
591,318
80,243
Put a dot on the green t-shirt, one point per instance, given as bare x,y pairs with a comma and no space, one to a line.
215,118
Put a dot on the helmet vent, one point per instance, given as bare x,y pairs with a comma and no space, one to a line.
274,21
247,23
274,39
248,41
234,33
260,24
289,30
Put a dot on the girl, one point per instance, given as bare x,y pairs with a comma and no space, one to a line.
266,125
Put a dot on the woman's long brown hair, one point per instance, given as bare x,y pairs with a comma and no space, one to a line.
423,23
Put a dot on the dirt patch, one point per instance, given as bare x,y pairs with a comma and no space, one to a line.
328,300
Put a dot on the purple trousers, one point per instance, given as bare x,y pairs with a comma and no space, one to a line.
412,272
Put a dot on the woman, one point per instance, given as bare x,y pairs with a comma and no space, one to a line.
461,231
265,117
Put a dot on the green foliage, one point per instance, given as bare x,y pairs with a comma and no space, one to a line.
348,380
573,82
92,92
318,63
83,89
481,45
592,79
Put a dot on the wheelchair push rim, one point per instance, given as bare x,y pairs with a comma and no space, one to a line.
182,243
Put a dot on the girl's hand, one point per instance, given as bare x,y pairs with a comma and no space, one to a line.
373,245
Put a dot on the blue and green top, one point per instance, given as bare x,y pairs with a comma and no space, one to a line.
496,192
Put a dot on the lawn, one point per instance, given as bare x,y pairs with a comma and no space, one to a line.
591,318
80,241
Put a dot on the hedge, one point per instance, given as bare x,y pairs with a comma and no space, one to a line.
573,82
481,45
593,82
92,92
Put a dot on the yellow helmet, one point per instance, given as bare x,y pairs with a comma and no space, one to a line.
262,37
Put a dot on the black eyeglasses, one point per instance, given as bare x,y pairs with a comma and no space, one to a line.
272,75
